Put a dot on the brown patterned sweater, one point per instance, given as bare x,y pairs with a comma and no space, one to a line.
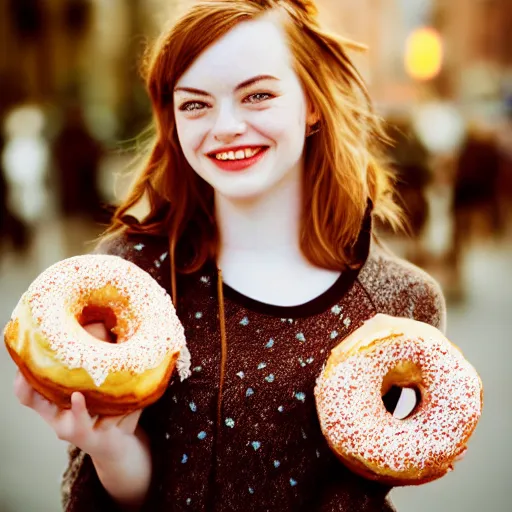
268,453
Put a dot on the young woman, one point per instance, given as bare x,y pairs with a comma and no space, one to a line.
262,184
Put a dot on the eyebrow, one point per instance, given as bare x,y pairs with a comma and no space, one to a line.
240,86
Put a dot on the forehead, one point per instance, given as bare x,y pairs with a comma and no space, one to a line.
251,48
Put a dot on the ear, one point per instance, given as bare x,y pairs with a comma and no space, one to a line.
312,115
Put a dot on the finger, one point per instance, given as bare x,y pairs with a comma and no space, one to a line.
406,403
65,427
23,390
79,410
129,422
98,330
74,425
46,409
107,422
461,455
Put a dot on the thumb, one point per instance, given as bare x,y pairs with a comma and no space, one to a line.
79,409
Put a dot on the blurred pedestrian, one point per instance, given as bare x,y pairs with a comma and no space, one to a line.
411,161
77,156
25,163
476,207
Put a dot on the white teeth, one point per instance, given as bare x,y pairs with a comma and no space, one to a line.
238,155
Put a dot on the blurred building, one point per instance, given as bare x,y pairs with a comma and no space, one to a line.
476,36
91,47
81,51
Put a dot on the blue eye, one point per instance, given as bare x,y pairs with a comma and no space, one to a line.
258,97
191,106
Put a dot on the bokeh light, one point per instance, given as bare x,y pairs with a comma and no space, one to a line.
424,54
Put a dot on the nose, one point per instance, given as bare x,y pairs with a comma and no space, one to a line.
228,125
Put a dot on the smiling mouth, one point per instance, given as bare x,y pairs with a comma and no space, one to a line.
239,154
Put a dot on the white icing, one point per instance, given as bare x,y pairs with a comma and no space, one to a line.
154,329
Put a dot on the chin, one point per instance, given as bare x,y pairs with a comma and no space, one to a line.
240,186
241,193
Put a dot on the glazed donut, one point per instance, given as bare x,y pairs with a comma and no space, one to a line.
384,352
58,356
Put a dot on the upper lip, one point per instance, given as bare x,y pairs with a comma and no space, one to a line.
227,149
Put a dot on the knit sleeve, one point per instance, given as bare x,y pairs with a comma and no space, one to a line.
396,287
344,491
81,489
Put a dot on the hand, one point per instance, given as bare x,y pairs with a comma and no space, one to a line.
103,438
461,455
458,458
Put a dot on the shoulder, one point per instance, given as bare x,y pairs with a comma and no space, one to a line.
399,288
149,252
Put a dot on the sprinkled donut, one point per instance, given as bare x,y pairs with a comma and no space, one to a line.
385,352
58,356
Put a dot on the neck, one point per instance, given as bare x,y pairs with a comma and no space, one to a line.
270,222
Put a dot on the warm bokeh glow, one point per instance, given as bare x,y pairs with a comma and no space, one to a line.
424,54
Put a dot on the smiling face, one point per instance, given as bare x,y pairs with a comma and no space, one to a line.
241,112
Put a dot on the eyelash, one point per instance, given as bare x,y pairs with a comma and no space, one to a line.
267,95
190,106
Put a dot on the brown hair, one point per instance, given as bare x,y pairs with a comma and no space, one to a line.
343,166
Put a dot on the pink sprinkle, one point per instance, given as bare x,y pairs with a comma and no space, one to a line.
451,405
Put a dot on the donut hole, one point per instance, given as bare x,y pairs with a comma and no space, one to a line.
402,403
401,390
92,314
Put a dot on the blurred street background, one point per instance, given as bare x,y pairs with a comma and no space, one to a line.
440,72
